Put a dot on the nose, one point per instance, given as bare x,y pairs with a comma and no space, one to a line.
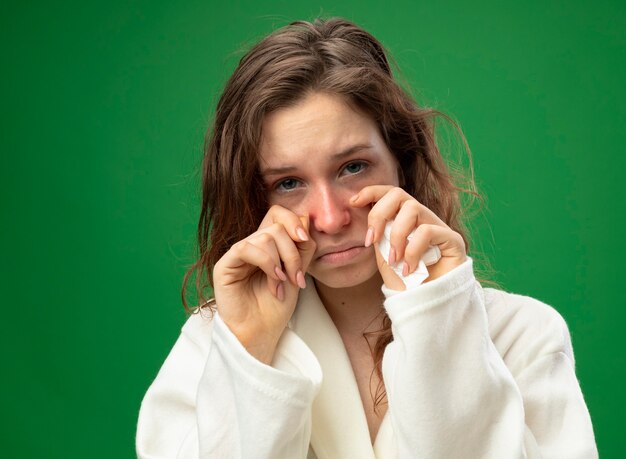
328,209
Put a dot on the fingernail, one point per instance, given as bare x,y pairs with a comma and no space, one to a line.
280,274
369,237
392,256
405,269
300,279
302,234
354,198
280,292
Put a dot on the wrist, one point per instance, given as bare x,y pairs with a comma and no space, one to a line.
264,353
258,345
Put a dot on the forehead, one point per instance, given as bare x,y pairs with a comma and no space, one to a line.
319,125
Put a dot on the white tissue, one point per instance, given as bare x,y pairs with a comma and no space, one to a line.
430,257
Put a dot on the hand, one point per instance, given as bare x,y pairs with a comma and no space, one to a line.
393,203
256,283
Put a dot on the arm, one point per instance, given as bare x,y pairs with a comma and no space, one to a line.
450,393
212,398
241,384
166,426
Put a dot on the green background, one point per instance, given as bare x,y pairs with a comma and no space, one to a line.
104,108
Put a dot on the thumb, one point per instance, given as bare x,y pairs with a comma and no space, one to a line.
306,248
390,278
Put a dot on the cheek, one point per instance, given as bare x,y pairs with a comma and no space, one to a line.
292,203
382,174
390,175
300,206
360,214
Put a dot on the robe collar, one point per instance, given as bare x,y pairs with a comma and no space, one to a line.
339,425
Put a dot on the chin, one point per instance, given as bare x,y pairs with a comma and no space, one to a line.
345,276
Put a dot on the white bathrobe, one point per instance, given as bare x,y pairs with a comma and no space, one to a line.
472,372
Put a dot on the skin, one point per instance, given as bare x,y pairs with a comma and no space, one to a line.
332,184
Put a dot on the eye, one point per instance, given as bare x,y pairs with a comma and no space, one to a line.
287,184
355,167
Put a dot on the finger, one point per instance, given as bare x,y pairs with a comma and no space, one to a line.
390,278
385,209
264,244
249,252
287,218
246,254
449,242
307,249
370,194
374,193
406,220
276,288
287,252
275,241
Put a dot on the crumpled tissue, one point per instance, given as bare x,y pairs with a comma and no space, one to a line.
430,257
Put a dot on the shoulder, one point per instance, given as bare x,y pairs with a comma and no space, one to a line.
182,369
524,328
198,329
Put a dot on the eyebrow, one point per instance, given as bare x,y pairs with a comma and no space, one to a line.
337,156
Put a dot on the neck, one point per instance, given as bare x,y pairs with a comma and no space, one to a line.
354,310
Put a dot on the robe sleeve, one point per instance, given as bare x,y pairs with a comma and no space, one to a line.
450,392
212,399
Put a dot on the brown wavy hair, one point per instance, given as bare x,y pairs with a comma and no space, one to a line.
337,57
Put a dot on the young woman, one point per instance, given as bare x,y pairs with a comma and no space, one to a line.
313,345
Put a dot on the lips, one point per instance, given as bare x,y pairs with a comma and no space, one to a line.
339,248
